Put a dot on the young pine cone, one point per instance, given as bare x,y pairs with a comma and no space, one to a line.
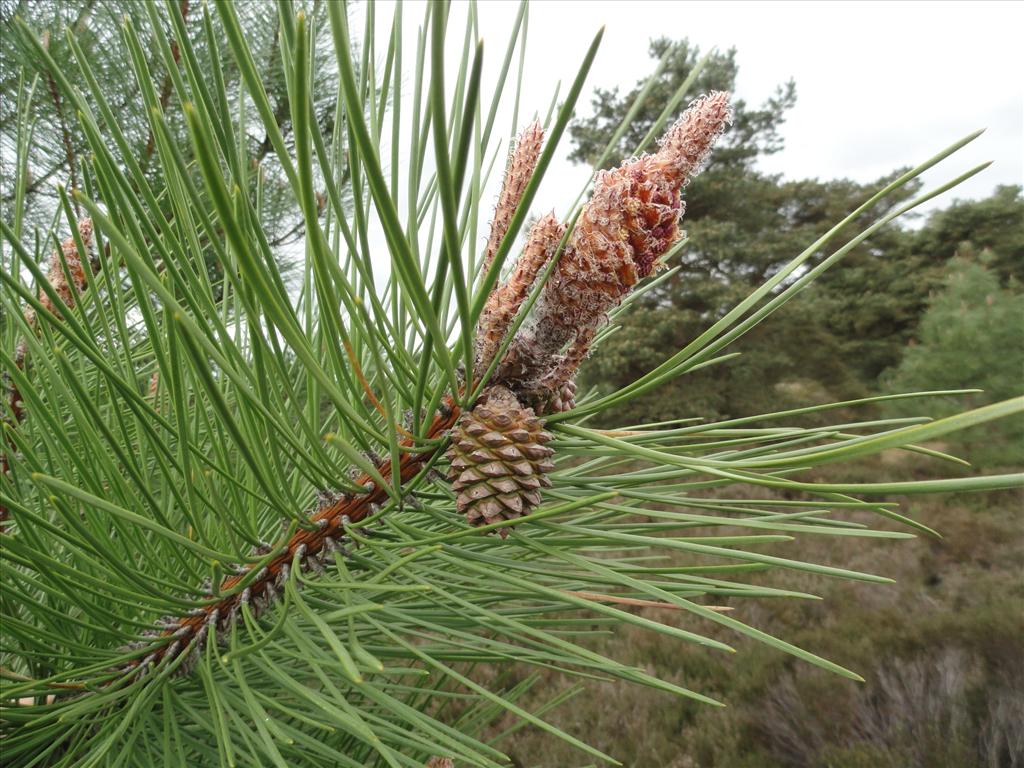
499,460
58,279
563,399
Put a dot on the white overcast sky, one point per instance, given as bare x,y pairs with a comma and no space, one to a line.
880,85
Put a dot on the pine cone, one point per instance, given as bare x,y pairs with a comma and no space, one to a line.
499,460
564,399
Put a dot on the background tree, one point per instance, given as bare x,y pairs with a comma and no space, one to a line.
36,111
754,131
995,224
971,332
743,225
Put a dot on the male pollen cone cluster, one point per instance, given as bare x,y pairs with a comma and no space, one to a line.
629,223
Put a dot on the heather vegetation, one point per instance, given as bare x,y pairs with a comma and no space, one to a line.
939,650
312,458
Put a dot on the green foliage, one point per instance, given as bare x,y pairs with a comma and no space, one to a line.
995,224
185,437
831,340
36,111
971,332
742,227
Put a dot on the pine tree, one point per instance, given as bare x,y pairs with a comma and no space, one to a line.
970,336
992,224
231,536
742,226
37,113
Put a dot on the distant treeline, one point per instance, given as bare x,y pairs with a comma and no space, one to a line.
860,327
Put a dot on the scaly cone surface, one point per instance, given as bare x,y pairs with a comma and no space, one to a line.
504,302
499,460
522,161
630,222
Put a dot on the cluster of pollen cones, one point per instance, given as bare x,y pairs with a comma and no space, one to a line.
620,237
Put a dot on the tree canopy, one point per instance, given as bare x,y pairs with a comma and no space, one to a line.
970,336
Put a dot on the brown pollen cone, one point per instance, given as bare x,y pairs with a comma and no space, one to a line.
630,222
499,460
522,161
56,276
504,302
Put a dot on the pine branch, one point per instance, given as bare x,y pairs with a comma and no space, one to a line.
132,494
166,85
64,263
484,496
328,530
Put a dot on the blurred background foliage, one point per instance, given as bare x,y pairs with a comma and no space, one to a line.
57,148
940,651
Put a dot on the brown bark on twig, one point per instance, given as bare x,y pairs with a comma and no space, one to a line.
69,149
332,521
165,87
